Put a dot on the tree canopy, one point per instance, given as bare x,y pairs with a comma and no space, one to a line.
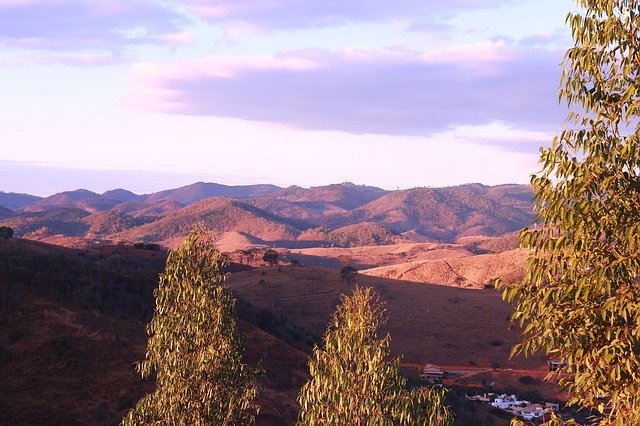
194,346
580,300
353,383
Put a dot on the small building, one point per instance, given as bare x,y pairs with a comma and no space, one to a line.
533,411
432,373
485,398
552,406
504,402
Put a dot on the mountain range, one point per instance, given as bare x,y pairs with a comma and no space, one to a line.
334,215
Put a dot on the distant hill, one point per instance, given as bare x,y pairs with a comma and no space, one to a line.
121,195
68,197
14,201
444,213
219,215
333,215
60,220
5,212
344,195
200,191
362,234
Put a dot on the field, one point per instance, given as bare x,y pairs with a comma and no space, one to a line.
427,323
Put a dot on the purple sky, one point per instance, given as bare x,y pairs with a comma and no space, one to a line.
147,95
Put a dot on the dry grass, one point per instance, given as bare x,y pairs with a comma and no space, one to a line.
427,323
468,271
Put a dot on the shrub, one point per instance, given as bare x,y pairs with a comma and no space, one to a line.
6,232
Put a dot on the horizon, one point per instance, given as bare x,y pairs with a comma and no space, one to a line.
146,94
102,190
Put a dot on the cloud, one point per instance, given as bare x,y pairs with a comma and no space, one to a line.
80,25
497,134
289,14
362,90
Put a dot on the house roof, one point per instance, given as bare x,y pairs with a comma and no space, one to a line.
432,369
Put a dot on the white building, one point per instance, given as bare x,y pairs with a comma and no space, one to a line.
504,402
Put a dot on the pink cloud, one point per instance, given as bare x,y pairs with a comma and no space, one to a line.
78,25
178,38
286,14
361,90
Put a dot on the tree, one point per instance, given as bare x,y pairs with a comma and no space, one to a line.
580,300
194,347
353,384
348,274
6,232
271,257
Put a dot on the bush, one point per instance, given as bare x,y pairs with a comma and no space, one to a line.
348,274
527,380
147,246
6,232
271,257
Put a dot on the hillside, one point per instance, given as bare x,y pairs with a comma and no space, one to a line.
37,224
72,324
72,321
5,212
121,195
66,198
428,323
219,215
476,272
346,195
14,201
334,215
201,190
444,214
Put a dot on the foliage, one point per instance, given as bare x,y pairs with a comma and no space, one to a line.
147,246
109,284
276,324
360,234
194,347
271,257
353,384
6,232
348,274
580,299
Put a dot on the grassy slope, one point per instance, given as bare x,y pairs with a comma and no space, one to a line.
72,325
427,323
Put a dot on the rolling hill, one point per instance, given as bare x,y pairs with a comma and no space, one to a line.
346,195
72,324
202,190
219,215
5,212
14,201
443,214
340,215
474,272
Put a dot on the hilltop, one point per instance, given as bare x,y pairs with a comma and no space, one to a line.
342,215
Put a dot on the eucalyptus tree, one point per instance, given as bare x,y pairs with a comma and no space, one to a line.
580,300
194,347
353,383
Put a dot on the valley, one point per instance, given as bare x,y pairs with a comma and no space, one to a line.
78,278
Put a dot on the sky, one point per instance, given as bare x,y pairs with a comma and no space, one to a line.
149,95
